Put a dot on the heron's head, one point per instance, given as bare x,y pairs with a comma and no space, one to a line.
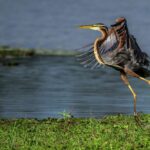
97,26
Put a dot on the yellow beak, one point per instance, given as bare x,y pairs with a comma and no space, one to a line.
91,27
86,27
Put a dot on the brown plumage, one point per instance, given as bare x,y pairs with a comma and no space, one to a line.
117,48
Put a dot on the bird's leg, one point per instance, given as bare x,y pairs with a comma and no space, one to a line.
131,73
125,80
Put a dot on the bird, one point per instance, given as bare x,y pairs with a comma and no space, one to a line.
117,48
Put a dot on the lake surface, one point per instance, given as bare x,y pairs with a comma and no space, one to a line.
43,87
53,23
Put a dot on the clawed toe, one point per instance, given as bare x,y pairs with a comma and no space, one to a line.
137,119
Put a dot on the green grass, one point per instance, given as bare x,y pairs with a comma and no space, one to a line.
112,132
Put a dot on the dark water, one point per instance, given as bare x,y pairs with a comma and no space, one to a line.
44,87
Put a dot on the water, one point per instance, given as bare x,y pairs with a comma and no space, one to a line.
45,86
53,23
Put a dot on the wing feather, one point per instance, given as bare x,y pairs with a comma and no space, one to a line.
140,56
86,57
109,45
130,43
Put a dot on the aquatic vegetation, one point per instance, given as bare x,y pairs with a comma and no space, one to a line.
112,132
9,52
66,115
6,51
9,55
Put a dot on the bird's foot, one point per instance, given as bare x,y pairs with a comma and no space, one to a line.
137,119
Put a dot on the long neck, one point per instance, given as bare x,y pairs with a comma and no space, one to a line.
97,43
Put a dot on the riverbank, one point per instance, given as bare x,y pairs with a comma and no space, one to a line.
13,52
112,132
12,56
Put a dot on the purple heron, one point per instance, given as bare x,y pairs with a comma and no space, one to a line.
117,48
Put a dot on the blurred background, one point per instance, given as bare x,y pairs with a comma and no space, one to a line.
44,86
53,23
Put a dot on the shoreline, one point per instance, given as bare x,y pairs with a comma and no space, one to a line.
13,52
9,55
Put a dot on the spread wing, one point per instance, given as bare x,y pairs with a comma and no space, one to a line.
86,56
128,42
122,33
119,40
140,56
109,45
117,37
